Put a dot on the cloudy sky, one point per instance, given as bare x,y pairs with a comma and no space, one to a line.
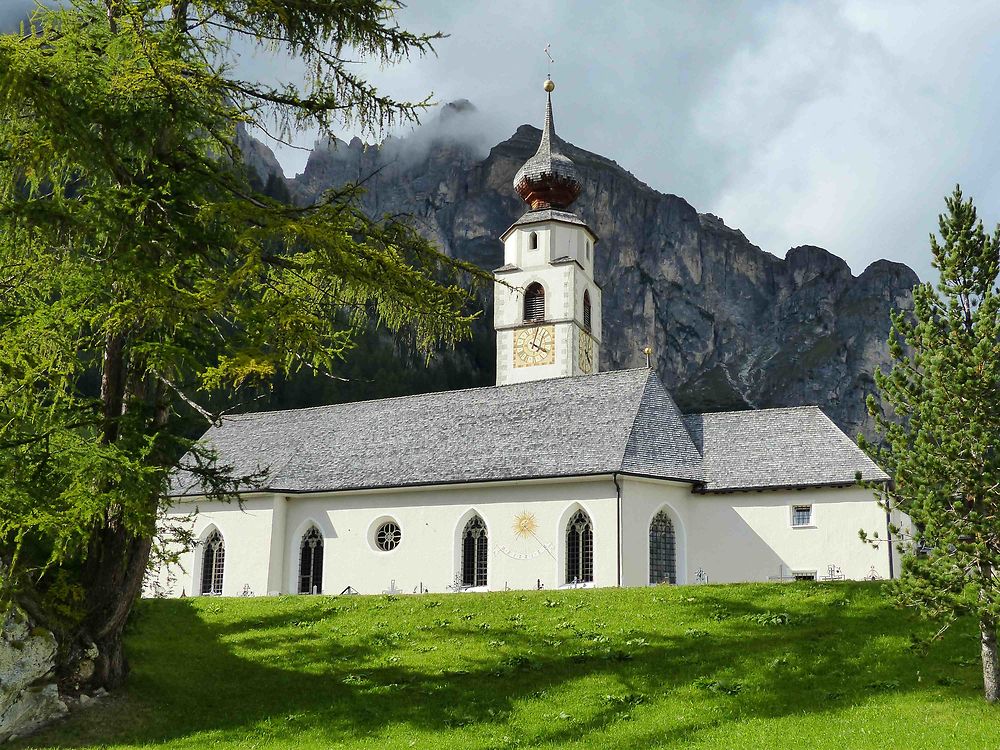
838,123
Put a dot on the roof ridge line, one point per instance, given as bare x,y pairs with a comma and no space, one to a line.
802,407
635,417
430,393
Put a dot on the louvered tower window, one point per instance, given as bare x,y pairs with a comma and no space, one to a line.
662,550
579,549
586,310
534,303
533,241
475,553
311,562
213,563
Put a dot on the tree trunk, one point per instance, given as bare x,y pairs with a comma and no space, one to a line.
991,666
113,584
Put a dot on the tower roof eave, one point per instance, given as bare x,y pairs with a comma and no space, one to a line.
549,215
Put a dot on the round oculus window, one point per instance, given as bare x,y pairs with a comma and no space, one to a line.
388,536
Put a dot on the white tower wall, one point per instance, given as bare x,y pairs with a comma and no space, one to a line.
562,261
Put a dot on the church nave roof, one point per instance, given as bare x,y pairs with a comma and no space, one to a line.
623,421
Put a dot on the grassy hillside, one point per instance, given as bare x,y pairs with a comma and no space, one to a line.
782,666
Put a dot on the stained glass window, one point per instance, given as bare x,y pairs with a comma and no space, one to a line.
213,563
579,549
662,550
475,553
311,562
388,536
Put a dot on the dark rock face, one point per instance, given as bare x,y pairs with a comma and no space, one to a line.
731,326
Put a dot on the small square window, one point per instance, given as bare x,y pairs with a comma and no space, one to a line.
802,515
802,575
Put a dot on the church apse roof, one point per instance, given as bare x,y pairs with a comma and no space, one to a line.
777,448
622,421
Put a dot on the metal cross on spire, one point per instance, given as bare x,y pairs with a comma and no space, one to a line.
551,60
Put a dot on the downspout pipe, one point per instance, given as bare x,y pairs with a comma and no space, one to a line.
618,490
888,536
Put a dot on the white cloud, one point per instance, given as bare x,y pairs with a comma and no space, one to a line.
849,126
840,123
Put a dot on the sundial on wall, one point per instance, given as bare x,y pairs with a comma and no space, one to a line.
526,544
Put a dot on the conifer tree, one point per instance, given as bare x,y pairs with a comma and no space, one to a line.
939,420
139,273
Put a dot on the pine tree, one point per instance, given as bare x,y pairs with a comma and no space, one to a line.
139,274
939,420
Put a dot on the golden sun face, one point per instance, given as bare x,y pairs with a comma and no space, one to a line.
525,524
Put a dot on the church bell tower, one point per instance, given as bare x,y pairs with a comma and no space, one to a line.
547,307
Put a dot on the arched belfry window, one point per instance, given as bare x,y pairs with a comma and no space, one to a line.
534,303
662,550
311,562
475,553
533,241
587,315
579,549
213,563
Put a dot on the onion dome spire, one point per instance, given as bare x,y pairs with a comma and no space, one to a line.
548,179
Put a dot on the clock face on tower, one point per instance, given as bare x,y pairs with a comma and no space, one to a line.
586,352
534,346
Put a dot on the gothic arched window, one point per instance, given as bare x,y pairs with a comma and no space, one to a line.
533,241
534,303
311,562
213,562
662,550
587,316
579,549
475,553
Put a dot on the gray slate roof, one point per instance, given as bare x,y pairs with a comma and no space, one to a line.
548,161
771,448
623,421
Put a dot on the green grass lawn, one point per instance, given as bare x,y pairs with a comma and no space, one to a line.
743,666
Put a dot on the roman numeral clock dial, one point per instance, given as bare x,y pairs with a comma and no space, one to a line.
534,346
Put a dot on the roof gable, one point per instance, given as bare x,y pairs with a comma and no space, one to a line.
659,444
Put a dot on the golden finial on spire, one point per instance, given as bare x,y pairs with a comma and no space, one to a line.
549,85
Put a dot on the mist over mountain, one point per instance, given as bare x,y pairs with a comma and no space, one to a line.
731,326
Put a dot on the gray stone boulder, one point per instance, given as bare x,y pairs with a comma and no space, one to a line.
29,696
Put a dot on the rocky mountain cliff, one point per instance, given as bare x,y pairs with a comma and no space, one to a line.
731,326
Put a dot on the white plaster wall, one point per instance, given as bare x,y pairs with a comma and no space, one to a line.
431,520
555,240
583,282
641,501
732,537
747,536
248,538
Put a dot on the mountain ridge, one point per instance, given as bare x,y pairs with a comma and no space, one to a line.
731,325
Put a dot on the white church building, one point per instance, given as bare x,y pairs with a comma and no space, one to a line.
558,476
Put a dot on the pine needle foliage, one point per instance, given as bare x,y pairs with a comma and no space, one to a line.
939,419
139,274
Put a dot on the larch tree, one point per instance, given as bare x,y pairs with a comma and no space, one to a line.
139,274
938,416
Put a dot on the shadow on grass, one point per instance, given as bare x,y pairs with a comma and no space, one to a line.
348,668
